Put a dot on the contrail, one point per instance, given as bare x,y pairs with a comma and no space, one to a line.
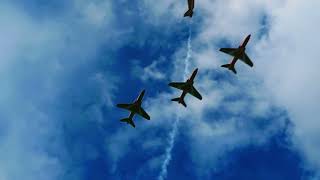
187,59
173,133
172,137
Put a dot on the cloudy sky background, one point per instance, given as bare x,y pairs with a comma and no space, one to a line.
65,64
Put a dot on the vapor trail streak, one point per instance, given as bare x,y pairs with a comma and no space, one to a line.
173,133
172,137
187,59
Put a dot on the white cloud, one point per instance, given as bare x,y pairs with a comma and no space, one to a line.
150,72
289,65
165,11
96,12
37,60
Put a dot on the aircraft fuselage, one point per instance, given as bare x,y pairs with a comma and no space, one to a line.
131,114
136,104
241,50
189,85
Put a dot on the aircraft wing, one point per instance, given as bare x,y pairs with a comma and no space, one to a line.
143,113
245,58
195,93
129,121
126,106
178,85
230,51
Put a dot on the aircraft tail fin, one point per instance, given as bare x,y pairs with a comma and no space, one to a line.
128,121
180,101
188,13
230,67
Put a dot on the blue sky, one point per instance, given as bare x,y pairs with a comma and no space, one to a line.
66,64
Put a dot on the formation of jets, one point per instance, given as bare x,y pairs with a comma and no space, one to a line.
187,87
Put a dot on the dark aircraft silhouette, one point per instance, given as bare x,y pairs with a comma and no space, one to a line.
186,87
135,108
237,53
190,10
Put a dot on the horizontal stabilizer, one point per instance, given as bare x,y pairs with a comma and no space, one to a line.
230,67
183,103
188,13
129,121
226,66
175,99
180,101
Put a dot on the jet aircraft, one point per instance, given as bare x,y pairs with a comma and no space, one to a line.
237,53
134,108
190,8
186,87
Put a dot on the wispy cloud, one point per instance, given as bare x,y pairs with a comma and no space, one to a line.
150,72
288,63
40,59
